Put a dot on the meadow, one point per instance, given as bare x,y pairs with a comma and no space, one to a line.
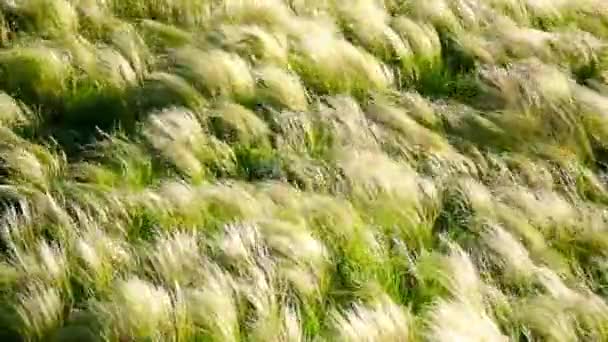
304,170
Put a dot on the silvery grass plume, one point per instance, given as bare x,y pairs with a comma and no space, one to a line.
269,13
184,12
161,89
27,166
13,112
126,40
101,256
280,88
48,17
213,305
43,71
114,68
32,166
291,329
330,64
546,319
263,255
392,195
40,309
588,309
457,321
389,176
259,288
470,202
380,320
368,21
419,108
543,208
437,12
529,83
233,201
161,36
242,244
235,170
175,133
218,73
417,136
510,254
179,136
423,42
237,124
344,116
33,257
302,259
253,42
137,308
185,198
454,273
175,259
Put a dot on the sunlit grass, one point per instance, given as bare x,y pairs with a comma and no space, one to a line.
303,170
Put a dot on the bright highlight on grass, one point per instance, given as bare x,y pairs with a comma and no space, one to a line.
303,170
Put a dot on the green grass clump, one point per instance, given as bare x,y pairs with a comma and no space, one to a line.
246,170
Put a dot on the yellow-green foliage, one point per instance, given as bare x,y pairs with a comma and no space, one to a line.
303,170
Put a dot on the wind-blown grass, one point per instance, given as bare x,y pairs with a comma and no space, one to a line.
303,170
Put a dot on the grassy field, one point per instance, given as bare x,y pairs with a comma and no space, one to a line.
304,170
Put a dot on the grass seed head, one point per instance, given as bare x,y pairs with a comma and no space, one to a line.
380,320
40,309
457,321
138,309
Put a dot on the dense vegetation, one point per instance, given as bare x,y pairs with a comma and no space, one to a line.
295,170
